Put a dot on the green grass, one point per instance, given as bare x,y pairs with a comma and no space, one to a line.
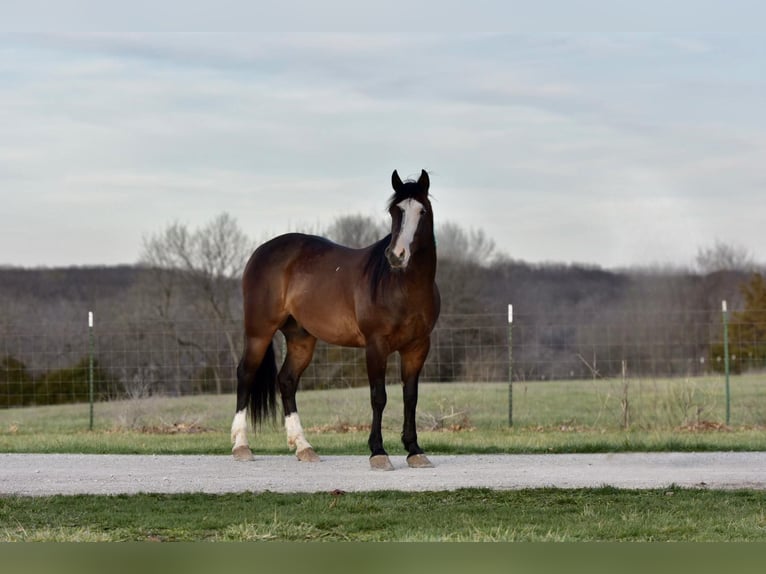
580,416
466,515
577,416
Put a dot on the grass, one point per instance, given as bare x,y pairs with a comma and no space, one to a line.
465,515
578,416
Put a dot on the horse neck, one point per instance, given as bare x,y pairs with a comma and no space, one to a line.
420,275
421,271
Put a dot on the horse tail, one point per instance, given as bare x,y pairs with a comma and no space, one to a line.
263,394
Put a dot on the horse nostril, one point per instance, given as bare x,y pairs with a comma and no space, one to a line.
394,258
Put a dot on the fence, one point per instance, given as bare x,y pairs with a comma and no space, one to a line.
52,363
49,363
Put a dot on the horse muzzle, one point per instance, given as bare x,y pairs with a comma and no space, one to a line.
397,261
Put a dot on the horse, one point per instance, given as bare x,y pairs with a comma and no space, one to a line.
382,298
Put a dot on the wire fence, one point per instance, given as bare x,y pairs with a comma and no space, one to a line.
56,363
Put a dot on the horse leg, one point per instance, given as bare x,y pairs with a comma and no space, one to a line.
300,348
376,373
255,349
412,363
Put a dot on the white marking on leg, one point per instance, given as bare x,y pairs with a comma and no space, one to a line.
295,438
239,429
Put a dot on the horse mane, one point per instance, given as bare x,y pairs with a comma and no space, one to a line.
376,267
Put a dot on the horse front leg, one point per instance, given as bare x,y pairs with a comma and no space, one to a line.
376,373
412,361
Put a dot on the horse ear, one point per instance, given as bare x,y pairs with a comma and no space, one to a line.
424,181
396,181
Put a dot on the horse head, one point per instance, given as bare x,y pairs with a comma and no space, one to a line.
411,219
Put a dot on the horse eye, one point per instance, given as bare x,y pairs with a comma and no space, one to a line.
422,211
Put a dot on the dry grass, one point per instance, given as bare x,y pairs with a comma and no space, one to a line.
574,416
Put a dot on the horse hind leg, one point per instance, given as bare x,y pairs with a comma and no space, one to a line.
241,448
300,349
256,366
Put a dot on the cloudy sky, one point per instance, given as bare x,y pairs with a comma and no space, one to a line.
608,149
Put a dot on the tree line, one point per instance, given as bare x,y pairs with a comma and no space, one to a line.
171,323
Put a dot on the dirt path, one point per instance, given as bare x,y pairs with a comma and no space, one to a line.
39,474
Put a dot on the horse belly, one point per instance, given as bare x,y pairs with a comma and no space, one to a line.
336,330
326,316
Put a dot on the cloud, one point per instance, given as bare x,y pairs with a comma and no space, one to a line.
546,141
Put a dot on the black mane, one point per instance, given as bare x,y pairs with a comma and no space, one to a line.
376,267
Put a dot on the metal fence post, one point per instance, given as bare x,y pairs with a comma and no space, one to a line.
90,367
726,358
510,365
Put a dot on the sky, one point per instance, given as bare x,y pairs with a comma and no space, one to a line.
607,148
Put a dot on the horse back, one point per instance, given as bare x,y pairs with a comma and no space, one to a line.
309,278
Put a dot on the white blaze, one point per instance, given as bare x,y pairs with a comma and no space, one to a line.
411,212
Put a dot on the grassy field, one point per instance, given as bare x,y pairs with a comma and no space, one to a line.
581,416
456,418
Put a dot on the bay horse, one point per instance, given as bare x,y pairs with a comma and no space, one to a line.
382,297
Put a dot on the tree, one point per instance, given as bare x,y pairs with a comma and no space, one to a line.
356,231
748,329
723,257
456,244
209,261
211,256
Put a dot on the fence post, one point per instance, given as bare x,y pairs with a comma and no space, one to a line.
726,358
510,365
90,367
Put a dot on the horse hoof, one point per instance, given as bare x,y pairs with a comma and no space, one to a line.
243,453
419,461
381,462
307,455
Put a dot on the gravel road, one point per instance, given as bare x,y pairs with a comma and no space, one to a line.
47,474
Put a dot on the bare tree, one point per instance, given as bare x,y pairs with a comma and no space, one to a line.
724,257
209,261
356,230
211,257
456,244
